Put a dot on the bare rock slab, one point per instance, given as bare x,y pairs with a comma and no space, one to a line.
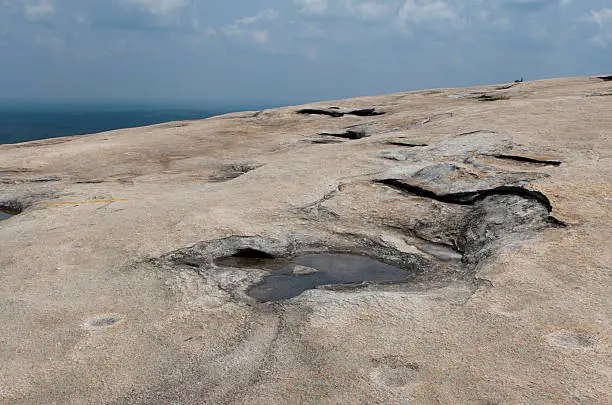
447,246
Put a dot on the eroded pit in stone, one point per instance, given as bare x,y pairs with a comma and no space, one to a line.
352,134
341,112
233,171
332,269
7,213
101,321
491,97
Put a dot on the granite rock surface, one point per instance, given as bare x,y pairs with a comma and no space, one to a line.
495,201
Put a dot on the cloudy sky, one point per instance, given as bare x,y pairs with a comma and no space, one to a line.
286,51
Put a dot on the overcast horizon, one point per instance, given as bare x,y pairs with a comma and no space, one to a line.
241,52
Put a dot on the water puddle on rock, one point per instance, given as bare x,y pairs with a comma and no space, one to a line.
291,277
5,215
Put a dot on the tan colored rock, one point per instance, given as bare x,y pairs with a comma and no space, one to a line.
108,293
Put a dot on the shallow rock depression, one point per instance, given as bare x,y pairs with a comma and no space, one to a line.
291,277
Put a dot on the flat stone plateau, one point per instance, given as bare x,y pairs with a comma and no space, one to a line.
131,266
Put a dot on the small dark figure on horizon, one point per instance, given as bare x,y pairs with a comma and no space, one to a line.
519,81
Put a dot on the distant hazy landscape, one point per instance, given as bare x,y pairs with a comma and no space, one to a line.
27,122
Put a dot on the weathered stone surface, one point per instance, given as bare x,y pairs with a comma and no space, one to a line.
112,290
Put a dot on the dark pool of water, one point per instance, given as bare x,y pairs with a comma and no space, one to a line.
332,269
4,215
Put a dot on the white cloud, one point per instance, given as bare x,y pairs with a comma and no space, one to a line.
161,7
318,7
603,19
420,11
39,9
408,11
372,10
81,18
308,30
363,9
269,14
242,28
260,36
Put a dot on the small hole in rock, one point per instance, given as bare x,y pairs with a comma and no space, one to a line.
352,134
253,254
405,144
101,321
325,141
491,97
6,213
248,258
